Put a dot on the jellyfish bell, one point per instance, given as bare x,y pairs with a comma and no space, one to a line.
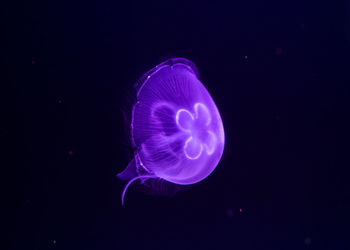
176,128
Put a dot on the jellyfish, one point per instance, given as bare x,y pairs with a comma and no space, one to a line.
176,129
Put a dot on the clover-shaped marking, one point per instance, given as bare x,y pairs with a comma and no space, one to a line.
197,127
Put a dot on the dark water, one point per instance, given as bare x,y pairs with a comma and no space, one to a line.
279,73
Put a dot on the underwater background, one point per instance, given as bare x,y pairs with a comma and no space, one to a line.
278,72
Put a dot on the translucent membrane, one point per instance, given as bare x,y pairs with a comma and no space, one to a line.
176,127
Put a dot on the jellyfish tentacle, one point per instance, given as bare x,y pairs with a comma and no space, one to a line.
131,181
129,172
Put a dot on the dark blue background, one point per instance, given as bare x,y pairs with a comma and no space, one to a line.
70,67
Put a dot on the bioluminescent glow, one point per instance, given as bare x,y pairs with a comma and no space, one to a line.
176,128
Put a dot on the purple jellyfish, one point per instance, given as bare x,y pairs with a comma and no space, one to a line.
176,128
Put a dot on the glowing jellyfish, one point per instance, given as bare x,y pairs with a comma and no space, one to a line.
176,128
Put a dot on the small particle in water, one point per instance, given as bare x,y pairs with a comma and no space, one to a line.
245,57
70,152
307,241
240,210
278,51
54,241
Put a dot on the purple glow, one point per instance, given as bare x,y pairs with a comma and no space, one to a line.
278,51
229,212
176,127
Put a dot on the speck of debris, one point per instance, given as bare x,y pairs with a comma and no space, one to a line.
307,241
278,51
229,212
